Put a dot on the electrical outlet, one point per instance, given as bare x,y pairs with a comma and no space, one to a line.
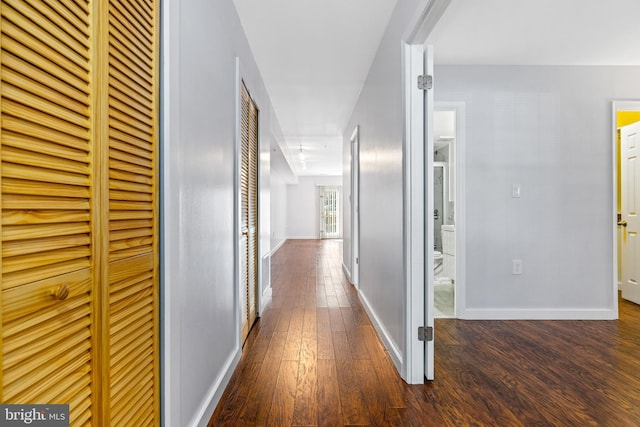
516,267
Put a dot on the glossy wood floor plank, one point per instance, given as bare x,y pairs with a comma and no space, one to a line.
314,359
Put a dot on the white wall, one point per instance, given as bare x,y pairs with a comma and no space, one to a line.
303,208
200,310
549,130
379,112
281,176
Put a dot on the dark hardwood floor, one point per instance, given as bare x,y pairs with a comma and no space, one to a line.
314,359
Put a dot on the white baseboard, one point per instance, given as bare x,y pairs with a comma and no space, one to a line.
202,417
276,247
347,273
537,314
266,298
303,238
387,341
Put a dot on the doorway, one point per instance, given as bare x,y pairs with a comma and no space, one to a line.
354,199
248,248
626,137
330,227
448,189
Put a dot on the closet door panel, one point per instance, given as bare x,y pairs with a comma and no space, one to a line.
132,323
48,303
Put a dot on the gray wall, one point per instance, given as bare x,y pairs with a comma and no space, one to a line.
548,129
379,112
545,128
303,206
200,342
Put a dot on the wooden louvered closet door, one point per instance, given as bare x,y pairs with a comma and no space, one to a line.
248,211
79,300
132,319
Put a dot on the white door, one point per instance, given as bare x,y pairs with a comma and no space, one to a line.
418,223
429,199
630,140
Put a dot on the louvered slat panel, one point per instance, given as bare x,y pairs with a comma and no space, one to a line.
253,213
47,190
245,101
133,323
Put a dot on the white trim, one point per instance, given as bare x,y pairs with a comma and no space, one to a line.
354,193
383,334
267,296
237,210
627,105
170,292
276,247
425,21
208,406
346,272
310,237
414,217
539,314
413,372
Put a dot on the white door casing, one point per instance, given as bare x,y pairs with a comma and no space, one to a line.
355,207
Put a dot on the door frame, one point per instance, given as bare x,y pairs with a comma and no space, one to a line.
617,106
355,207
418,245
240,81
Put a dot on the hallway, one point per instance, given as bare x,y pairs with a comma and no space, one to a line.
314,359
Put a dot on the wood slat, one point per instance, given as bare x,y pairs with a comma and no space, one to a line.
46,258
34,36
15,65
32,51
44,230
46,118
43,161
23,277
131,159
70,16
44,244
20,133
126,143
44,203
123,14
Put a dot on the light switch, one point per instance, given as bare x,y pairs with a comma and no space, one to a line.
515,191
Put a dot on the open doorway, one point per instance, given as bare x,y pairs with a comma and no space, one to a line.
626,138
448,250
330,214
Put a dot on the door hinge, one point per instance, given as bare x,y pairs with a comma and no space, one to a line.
425,333
425,82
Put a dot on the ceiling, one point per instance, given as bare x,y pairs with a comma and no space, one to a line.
314,55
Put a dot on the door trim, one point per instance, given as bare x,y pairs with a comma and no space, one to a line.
355,207
416,250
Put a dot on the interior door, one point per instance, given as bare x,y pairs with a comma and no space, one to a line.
48,299
429,201
630,138
329,213
248,212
